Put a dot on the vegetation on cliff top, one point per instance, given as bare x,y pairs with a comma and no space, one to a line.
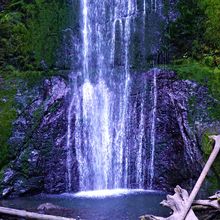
195,41
30,33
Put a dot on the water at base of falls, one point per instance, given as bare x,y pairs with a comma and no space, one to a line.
108,193
106,135
129,205
99,135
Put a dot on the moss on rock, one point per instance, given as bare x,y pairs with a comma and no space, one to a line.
214,177
203,74
7,115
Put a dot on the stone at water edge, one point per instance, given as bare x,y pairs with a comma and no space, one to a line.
51,209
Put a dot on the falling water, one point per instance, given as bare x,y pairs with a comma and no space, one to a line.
154,5
153,130
85,34
100,108
141,132
69,149
69,161
98,114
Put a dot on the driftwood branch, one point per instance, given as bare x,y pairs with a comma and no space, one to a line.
207,203
30,215
177,204
210,206
203,175
180,203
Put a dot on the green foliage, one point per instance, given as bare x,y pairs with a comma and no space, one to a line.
194,39
212,11
30,32
7,115
196,32
207,144
38,115
207,75
196,56
24,162
192,110
1,174
54,107
193,70
186,33
44,31
32,77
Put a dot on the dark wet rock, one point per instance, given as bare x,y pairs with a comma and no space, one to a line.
38,140
6,191
20,187
47,206
181,116
208,214
68,55
33,158
51,209
43,65
177,159
8,175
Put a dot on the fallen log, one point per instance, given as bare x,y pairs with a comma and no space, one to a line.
30,215
180,203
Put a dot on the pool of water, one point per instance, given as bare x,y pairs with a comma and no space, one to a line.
98,205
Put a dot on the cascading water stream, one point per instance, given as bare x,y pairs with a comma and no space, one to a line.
154,5
98,114
141,132
85,34
69,149
153,130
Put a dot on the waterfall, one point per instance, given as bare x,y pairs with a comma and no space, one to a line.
99,134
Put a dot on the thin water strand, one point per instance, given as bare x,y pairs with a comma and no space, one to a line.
153,130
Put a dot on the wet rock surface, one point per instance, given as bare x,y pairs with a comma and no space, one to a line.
182,118
38,135
51,209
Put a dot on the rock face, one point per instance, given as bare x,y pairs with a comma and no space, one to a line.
177,152
51,209
38,141
37,149
178,157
